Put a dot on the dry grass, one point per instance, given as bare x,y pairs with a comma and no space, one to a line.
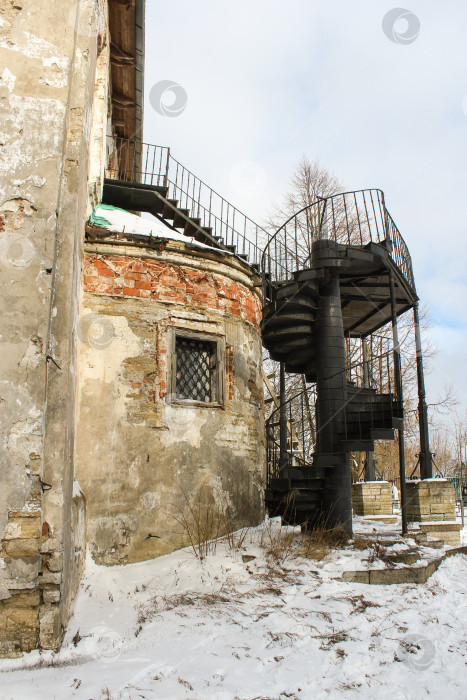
285,543
203,525
362,542
198,520
279,544
320,541
159,604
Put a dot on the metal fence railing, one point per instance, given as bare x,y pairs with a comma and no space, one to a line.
154,166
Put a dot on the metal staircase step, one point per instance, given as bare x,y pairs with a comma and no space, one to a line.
358,445
287,319
328,459
289,290
286,306
300,357
168,212
179,220
382,434
192,226
358,253
279,484
305,368
308,274
286,333
294,344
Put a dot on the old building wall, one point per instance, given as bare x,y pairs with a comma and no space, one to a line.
145,462
48,50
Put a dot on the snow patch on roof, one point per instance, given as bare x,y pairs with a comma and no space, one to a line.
118,220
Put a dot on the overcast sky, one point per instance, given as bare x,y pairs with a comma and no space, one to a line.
266,82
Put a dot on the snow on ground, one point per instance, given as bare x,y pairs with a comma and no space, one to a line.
234,626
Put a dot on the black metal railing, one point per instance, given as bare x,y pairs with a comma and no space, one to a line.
370,363
154,166
301,434
371,403
349,218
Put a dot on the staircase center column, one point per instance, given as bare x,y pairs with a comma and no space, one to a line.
332,396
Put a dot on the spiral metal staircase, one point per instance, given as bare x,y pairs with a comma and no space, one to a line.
334,273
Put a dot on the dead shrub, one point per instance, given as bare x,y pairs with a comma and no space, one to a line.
203,523
377,551
319,541
279,543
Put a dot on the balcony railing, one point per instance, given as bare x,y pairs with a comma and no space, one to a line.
350,218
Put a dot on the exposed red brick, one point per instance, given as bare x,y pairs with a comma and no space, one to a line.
168,283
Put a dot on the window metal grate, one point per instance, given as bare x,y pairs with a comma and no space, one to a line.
195,367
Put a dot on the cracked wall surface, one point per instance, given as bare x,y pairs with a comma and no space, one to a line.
48,50
144,462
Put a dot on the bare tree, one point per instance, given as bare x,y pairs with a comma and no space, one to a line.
310,181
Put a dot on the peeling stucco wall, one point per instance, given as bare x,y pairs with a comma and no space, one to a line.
142,461
47,90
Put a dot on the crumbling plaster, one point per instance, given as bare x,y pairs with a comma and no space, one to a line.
46,103
142,460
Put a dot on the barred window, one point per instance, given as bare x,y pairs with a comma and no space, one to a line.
197,368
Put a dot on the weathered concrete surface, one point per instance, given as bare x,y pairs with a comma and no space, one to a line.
47,86
152,470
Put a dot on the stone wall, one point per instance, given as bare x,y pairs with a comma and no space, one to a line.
447,532
372,498
48,53
430,500
145,462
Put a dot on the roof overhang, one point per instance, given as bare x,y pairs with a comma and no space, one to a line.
126,25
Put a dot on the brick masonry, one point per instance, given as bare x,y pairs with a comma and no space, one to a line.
372,498
31,580
166,282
